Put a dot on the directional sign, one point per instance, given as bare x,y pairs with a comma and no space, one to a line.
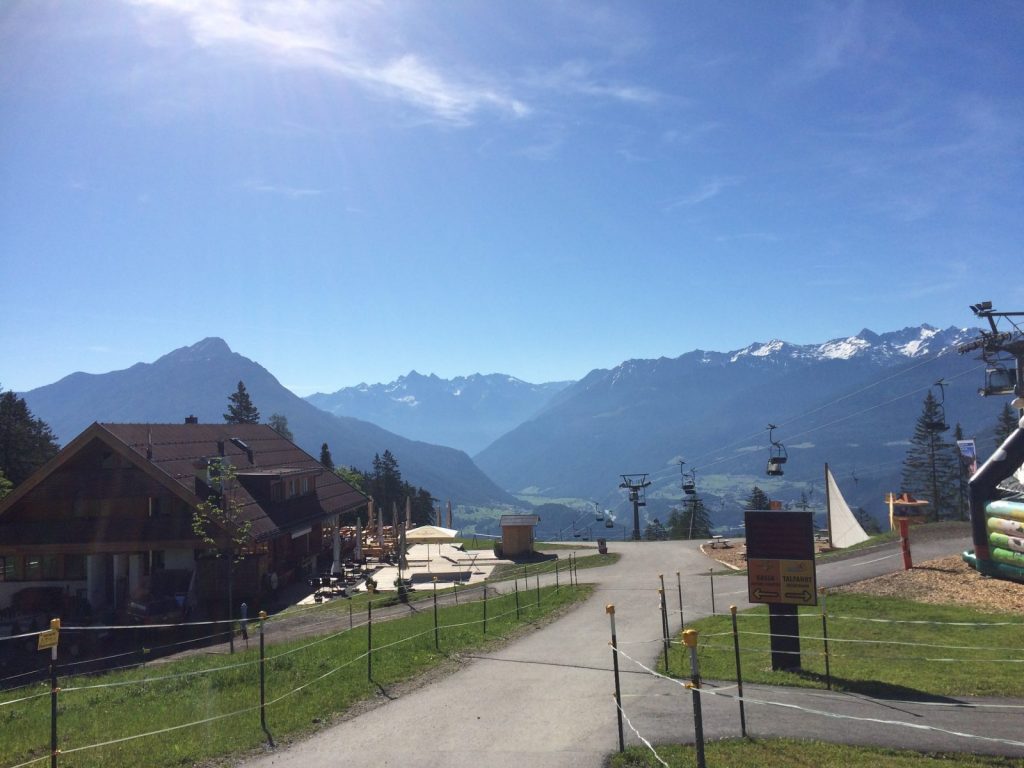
780,558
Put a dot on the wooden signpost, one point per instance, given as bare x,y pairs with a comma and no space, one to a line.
780,572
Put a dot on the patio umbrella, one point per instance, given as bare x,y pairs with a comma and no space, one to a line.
430,534
408,512
358,554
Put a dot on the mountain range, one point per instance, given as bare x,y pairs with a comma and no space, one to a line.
851,402
467,412
197,380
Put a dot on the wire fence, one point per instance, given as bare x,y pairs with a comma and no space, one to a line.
869,654
137,708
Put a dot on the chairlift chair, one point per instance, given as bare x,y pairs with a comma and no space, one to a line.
690,483
777,455
938,424
999,380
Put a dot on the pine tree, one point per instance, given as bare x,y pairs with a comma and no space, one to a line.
26,443
240,408
1005,423
325,457
930,466
5,485
386,482
279,423
690,522
655,531
758,500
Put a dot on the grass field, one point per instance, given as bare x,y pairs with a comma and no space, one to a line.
202,707
780,753
877,646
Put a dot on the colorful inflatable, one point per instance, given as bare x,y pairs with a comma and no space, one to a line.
997,524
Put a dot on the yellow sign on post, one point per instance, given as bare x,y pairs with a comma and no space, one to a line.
49,638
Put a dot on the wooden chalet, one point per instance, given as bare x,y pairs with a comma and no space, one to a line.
109,519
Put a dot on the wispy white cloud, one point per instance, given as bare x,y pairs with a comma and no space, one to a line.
579,77
308,34
294,193
707,191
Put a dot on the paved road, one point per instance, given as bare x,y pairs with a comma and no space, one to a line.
546,700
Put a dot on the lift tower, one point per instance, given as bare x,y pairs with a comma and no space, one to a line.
636,484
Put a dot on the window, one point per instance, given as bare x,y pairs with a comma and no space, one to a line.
305,485
10,568
74,567
33,568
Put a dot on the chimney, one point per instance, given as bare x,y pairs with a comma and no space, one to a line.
191,420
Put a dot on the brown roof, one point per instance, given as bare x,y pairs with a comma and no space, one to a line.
176,455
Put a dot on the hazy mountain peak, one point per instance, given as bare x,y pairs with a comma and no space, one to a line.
209,348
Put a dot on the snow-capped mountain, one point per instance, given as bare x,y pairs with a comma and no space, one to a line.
467,412
850,401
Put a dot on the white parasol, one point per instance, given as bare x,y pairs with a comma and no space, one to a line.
430,534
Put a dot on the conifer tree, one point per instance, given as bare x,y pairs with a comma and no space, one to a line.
1005,423
325,457
386,485
26,443
758,500
240,408
930,466
690,522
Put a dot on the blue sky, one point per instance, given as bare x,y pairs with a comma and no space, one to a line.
345,191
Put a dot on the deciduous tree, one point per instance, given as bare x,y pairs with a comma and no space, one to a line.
279,423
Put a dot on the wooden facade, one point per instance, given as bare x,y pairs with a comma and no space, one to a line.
110,519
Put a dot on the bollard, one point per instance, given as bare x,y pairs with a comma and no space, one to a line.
538,590
455,588
664,625
610,610
263,683
679,587
711,577
739,673
485,608
690,640
517,599
369,640
437,635
54,690
556,575
824,637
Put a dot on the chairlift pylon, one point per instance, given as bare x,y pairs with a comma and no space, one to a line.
777,455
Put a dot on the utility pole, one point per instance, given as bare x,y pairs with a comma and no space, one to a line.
636,484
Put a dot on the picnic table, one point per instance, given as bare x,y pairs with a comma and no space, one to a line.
719,541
